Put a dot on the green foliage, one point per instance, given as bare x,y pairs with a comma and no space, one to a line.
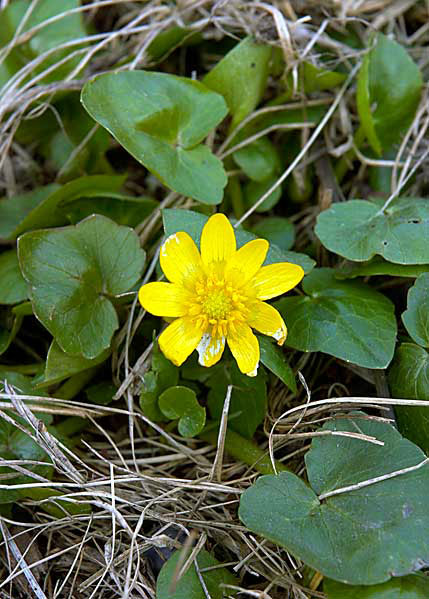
180,403
61,365
248,399
277,230
13,288
360,536
358,230
414,586
189,585
345,319
245,67
193,223
123,209
166,120
73,274
273,358
258,160
378,266
392,82
409,372
162,375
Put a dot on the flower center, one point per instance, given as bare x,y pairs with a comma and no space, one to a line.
218,306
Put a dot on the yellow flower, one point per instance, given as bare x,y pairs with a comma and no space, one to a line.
218,295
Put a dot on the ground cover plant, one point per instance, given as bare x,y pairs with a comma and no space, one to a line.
214,299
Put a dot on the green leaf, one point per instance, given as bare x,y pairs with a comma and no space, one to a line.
181,403
315,79
358,230
277,230
123,209
192,222
416,316
60,365
415,586
47,38
274,359
245,67
101,393
345,319
248,399
48,213
409,379
162,375
259,160
168,40
361,536
73,272
377,266
388,93
13,288
255,190
10,323
164,121
189,585
14,210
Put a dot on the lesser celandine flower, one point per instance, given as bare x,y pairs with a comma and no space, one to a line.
218,296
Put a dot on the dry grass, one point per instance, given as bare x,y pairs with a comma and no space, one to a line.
152,491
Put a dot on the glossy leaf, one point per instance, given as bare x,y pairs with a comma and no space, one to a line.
13,288
275,360
361,536
123,209
192,222
165,120
277,230
14,210
189,585
245,67
180,403
60,366
388,93
416,316
358,230
255,190
379,267
258,160
345,319
73,272
248,399
415,586
409,379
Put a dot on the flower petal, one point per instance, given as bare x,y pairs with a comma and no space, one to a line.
267,320
164,299
246,261
179,340
244,347
210,349
275,279
217,240
179,257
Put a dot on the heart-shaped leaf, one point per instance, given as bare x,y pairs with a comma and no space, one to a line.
415,586
358,230
189,585
123,209
192,222
180,403
416,316
391,82
245,67
409,378
72,273
345,319
60,366
360,536
161,120
13,288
